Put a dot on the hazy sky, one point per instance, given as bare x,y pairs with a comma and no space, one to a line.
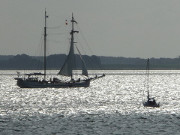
128,28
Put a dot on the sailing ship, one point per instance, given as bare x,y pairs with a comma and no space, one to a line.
151,102
33,80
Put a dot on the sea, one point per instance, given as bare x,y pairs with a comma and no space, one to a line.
112,105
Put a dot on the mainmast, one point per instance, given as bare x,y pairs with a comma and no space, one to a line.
72,38
45,36
69,64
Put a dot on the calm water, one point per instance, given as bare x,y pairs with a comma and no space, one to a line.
111,105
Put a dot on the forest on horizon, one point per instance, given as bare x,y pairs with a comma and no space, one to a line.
26,62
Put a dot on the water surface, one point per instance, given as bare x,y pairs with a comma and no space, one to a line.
111,105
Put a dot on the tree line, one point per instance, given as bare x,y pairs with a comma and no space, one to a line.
55,62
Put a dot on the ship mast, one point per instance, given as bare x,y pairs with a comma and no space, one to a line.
147,71
72,37
45,36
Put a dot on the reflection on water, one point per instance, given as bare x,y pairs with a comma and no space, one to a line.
111,105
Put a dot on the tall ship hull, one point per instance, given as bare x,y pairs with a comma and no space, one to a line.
51,84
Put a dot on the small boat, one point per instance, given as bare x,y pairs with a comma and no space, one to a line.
34,80
151,102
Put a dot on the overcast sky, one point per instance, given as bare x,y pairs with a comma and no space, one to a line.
128,28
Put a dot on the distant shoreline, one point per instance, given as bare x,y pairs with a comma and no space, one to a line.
54,62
